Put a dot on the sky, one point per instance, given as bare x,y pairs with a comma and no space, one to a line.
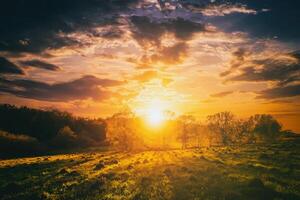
97,57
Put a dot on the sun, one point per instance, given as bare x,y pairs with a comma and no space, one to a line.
155,116
154,112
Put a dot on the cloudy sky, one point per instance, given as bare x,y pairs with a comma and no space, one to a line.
97,57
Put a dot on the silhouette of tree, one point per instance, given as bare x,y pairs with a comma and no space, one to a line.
65,138
121,130
223,124
45,125
265,127
186,127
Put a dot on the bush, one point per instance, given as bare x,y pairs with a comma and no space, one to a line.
18,145
65,138
266,128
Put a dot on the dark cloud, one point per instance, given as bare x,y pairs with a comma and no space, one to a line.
260,19
146,30
83,88
280,20
148,33
40,64
296,54
168,56
172,54
221,94
35,25
280,92
282,69
7,67
281,74
112,33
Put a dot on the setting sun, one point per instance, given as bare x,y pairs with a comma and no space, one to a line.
153,103
153,111
155,117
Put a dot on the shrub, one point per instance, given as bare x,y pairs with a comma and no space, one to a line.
266,127
65,138
18,145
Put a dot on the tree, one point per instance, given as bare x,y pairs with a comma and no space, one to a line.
44,125
65,138
265,127
222,124
121,130
204,136
186,127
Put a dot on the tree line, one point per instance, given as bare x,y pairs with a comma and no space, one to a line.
124,130
33,131
225,128
25,131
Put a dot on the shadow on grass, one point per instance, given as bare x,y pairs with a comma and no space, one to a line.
30,181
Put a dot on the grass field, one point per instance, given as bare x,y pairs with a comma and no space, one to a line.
244,172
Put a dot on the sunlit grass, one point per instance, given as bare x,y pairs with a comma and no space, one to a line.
234,172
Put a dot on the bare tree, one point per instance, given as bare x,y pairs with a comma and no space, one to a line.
222,124
185,128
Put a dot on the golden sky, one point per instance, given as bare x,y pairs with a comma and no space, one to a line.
195,57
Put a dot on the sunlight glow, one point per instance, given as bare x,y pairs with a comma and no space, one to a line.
155,117
154,112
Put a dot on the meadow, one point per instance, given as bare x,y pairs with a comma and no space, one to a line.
253,171
149,100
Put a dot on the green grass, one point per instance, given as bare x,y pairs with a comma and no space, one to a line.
234,172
